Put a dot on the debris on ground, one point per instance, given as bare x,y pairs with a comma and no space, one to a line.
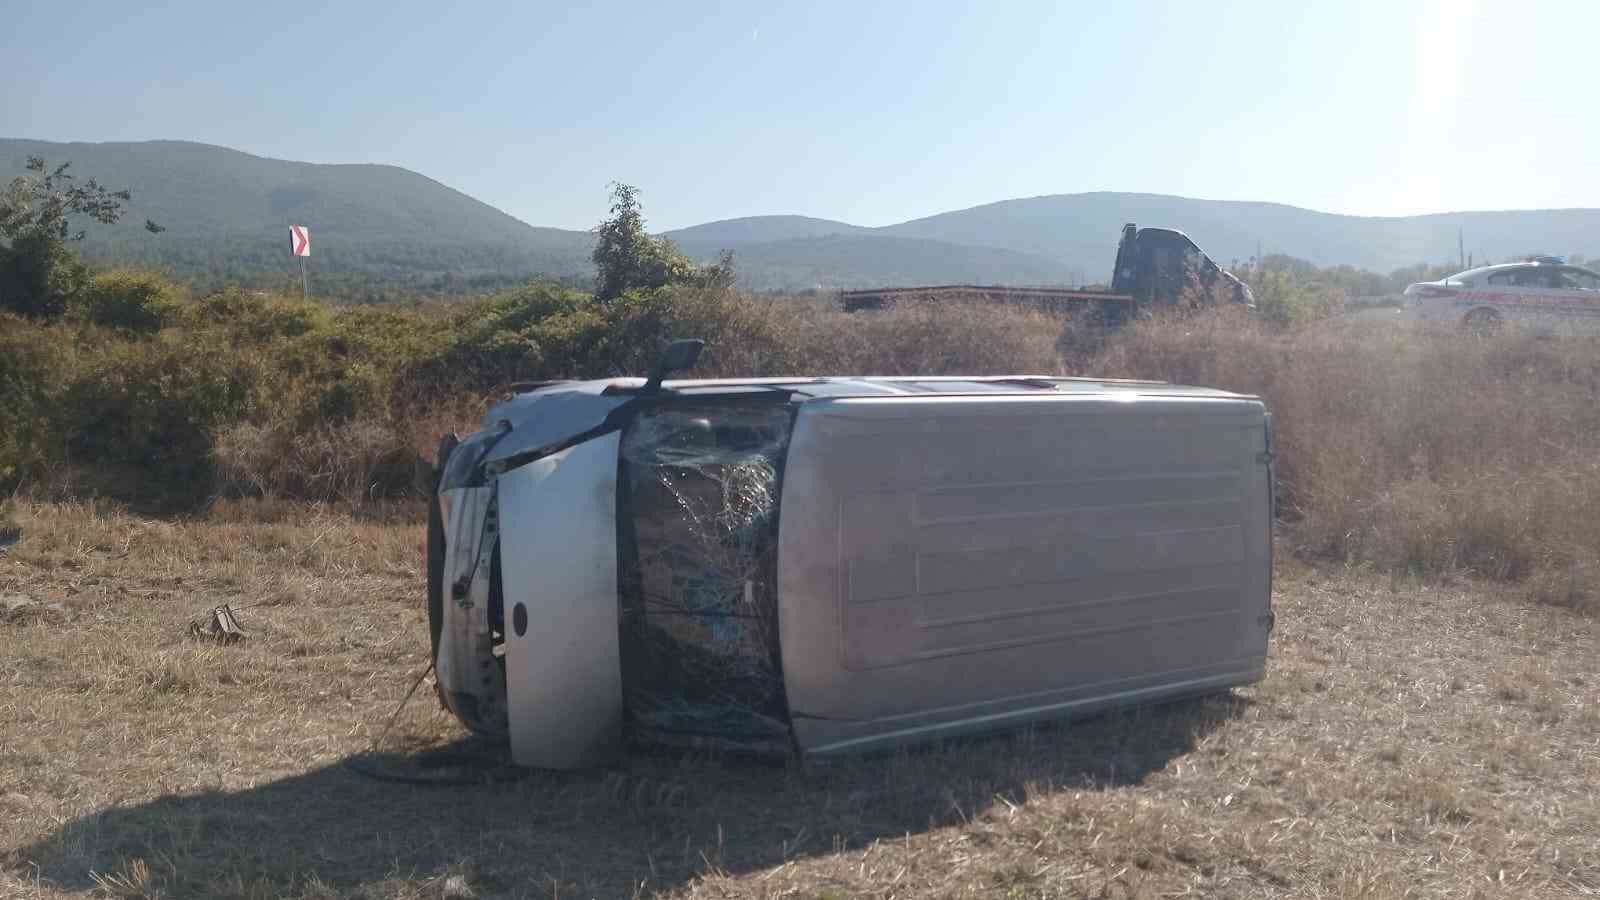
16,608
223,626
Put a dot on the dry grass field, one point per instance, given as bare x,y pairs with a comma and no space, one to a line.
1413,739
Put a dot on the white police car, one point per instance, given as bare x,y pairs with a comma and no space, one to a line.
1542,293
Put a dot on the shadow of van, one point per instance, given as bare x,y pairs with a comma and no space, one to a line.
660,820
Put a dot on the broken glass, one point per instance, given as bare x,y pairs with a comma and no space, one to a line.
699,615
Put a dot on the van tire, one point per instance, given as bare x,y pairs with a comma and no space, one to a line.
436,549
435,576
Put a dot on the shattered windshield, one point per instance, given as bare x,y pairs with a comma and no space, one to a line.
698,595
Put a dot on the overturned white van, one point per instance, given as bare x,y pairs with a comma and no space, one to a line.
837,564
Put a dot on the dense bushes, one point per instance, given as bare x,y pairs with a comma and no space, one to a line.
1401,450
156,398
143,416
32,369
128,394
39,275
1283,299
127,299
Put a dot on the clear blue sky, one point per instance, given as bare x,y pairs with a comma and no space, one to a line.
857,111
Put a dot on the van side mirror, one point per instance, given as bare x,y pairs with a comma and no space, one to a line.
679,355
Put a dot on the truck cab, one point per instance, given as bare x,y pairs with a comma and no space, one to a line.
1161,268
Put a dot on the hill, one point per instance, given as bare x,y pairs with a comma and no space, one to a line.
376,228
226,214
727,234
1081,230
779,253
836,261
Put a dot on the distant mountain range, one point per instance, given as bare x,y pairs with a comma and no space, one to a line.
226,213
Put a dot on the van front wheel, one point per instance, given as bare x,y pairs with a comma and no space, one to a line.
435,549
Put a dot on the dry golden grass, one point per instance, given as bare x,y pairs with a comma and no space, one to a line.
1410,450
1410,740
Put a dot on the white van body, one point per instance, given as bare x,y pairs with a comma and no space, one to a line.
842,564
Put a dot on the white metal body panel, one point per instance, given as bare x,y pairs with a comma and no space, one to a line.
954,564
545,418
1543,298
558,556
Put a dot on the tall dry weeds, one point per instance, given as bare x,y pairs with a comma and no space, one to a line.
1413,450
350,462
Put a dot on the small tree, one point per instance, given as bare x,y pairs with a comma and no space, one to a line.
627,257
39,273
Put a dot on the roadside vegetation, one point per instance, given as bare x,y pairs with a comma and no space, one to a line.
1404,451
1410,451
1422,730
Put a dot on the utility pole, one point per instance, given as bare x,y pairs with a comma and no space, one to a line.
1461,246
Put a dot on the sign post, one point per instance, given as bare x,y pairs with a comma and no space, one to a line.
300,245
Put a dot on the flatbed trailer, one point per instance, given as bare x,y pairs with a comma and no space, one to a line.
1156,268
1056,300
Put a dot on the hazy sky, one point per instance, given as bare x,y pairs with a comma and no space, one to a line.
871,113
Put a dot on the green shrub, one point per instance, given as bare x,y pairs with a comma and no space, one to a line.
628,258
39,275
1283,299
314,378
503,338
128,299
139,420
253,317
33,365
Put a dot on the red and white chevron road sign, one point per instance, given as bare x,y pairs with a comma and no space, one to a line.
299,240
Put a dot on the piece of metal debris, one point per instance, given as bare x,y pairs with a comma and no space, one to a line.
223,626
22,608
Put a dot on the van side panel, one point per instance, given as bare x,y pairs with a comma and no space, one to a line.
558,543
950,564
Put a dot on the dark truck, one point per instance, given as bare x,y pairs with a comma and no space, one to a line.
1156,269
